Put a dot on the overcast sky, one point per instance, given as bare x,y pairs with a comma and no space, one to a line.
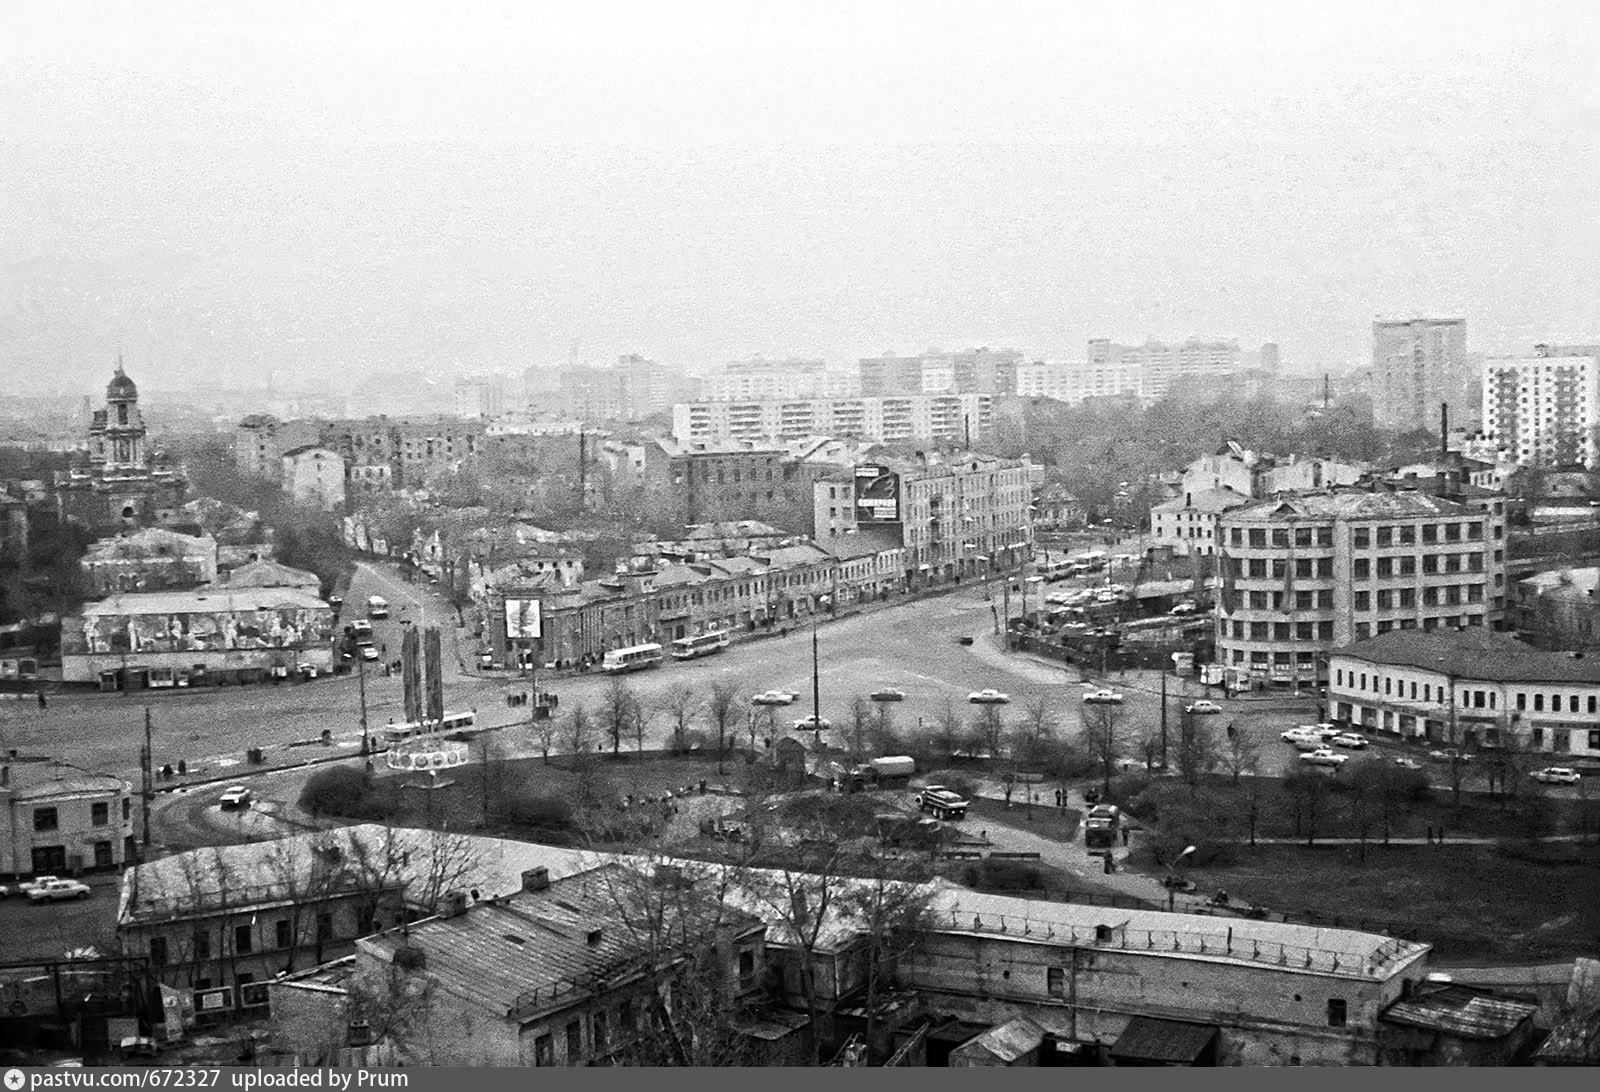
222,189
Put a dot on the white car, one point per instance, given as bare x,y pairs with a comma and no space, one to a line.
1350,740
1325,757
813,723
1202,706
1302,732
1407,763
1102,696
775,697
54,890
367,653
988,697
1188,606
1556,775
1309,743
236,796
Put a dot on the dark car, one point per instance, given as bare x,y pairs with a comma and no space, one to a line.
963,640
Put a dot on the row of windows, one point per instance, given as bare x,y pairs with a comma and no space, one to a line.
1470,697
244,938
1323,631
1362,568
49,818
1362,537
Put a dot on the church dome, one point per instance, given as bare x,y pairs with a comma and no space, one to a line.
121,388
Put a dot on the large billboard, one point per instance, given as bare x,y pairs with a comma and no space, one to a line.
201,631
877,495
523,620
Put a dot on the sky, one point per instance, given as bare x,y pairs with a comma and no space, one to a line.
310,191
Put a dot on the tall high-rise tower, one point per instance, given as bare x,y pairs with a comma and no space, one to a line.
1416,364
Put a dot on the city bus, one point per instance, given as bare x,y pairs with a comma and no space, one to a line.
395,734
689,648
636,658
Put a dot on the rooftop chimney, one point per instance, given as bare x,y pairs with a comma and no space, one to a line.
536,879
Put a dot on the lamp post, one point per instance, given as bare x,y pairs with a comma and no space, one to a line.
1172,878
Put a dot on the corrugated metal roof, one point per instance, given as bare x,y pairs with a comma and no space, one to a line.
1151,1040
1010,1041
1461,1011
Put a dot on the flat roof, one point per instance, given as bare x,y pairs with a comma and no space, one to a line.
1474,653
203,600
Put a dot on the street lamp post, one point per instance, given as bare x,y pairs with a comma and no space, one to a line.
1172,878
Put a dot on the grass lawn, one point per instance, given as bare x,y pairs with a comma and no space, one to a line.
1049,821
1471,902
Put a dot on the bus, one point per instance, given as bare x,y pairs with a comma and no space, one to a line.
377,607
636,658
1058,569
689,648
395,734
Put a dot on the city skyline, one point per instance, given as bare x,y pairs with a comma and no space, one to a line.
222,193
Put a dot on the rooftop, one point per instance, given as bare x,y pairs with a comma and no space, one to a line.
1580,580
263,573
1205,500
151,542
1349,503
203,601
1462,1011
1474,653
42,780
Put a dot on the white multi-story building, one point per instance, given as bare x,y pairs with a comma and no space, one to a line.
1150,369
480,396
314,476
1543,410
950,418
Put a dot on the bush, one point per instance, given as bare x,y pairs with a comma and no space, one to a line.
350,794
990,875
545,813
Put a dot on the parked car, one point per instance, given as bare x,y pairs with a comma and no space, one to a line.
56,890
775,697
888,693
1407,763
813,723
1188,606
9,889
1325,729
307,671
1350,740
1325,756
1302,732
988,697
370,653
335,601
1556,775
1202,706
1103,696
236,796
963,640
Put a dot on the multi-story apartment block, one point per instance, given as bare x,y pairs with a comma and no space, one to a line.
314,476
480,396
56,819
1416,364
1150,369
759,379
730,482
260,441
1304,574
972,371
1543,410
947,418
1472,688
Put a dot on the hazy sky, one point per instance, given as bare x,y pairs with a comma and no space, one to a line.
221,189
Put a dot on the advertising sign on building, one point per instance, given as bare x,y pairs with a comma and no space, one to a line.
877,495
523,620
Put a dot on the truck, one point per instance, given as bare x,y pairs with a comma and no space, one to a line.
377,606
1102,827
943,803
892,767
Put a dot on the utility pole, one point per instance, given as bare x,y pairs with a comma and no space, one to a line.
147,775
361,683
816,681
1163,717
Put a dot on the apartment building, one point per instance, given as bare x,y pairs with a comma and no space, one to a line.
260,441
1304,574
1543,410
481,396
1149,370
1474,688
946,418
758,379
56,819
1417,363
315,477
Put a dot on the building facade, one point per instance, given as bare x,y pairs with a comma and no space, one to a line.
481,396
59,820
1416,364
315,477
1149,370
946,418
1543,410
149,560
1303,574
260,441
1473,688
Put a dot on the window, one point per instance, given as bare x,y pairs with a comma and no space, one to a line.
1280,537
1337,1014
1594,739
45,819
1302,536
1324,566
600,1029
1430,534
574,1041
1055,981
1302,566
1280,631
1363,631
1452,532
747,966
1561,740
1385,536
1408,597
1385,566
1363,568
285,934
1408,566
1363,538
1258,567
1522,702
1258,600
1385,599
127,807
158,951
1430,563
1279,568
1363,600
102,855
543,1051
100,814
1408,535
626,1019
1538,703
202,945
1324,536
243,939
1258,536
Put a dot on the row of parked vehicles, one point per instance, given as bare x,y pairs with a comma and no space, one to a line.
46,889
1317,743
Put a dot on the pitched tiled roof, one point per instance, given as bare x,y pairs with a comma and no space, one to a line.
1350,504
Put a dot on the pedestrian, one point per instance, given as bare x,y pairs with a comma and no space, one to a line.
42,702
1058,798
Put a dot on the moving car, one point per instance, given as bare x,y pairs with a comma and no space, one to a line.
1103,696
236,796
1325,757
813,723
1350,740
774,697
888,693
370,653
54,890
1449,754
1556,775
1407,763
1202,706
942,802
988,697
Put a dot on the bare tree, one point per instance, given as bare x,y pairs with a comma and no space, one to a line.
639,723
1038,720
1308,794
617,712
991,731
1197,749
858,728
545,731
681,704
1102,738
883,737
1242,755
578,732
949,729
724,707
1150,750
892,909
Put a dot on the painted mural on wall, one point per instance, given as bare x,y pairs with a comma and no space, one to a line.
222,631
